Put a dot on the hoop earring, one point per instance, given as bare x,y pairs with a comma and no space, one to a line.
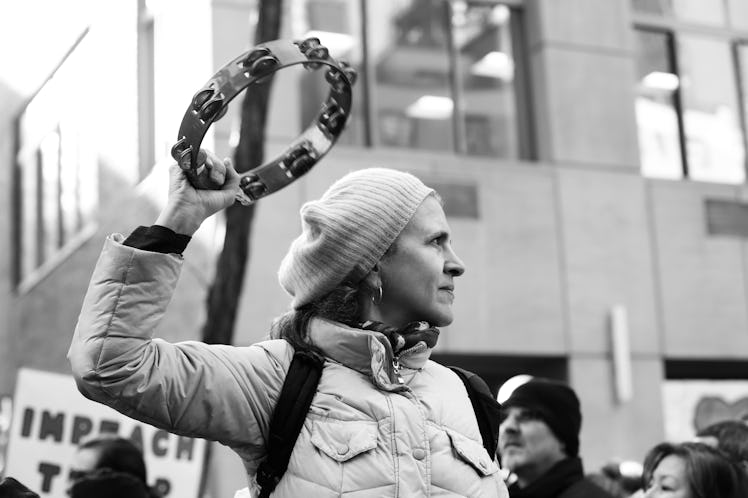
377,301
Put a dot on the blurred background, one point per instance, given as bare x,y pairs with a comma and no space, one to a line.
591,155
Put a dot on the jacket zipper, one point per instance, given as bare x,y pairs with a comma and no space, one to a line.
396,368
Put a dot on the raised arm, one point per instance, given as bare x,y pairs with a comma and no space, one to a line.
217,392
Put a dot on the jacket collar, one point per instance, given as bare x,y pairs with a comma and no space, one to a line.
365,351
551,484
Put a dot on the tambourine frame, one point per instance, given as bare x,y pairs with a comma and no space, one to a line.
210,104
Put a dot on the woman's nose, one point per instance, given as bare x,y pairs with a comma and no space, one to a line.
454,265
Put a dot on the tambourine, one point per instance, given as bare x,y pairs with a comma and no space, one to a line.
211,102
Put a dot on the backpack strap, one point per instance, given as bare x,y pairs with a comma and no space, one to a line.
291,410
487,409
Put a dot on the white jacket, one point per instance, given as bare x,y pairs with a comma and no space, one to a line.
365,434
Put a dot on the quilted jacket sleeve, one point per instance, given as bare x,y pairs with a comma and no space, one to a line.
222,393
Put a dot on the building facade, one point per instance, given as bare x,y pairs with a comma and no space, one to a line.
591,155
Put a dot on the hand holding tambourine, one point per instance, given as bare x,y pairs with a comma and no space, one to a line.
210,104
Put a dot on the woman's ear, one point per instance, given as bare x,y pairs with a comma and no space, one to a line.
373,279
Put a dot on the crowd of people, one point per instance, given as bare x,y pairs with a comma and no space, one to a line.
539,449
371,279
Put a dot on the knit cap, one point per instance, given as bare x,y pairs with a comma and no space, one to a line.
557,405
347,231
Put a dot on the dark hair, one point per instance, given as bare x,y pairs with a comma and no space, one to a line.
11,488
342,304
732,438
119,471
119,455
104,482
709,472
612,478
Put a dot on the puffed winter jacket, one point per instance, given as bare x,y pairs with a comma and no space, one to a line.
366,435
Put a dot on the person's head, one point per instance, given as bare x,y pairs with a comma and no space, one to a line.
620,479
110,452
691,470
105,464
540,427
11,488
730,436
375,246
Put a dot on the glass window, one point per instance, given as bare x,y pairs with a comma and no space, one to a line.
485,47
742,56
412,104
437,75
146,89
337,24
693,109
710,12
445,77
711,114
56,170
656,111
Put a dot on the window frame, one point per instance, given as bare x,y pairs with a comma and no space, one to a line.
672,27
23,281
525,123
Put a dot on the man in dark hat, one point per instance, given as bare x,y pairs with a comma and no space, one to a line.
539,442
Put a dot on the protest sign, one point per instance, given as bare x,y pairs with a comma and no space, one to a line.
690,405
51,418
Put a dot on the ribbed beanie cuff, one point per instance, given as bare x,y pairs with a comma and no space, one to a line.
347,231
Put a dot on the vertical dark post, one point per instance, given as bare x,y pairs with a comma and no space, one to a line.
225,291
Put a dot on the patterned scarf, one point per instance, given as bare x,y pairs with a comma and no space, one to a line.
415,336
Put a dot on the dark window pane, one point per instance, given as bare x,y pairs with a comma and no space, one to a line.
656,115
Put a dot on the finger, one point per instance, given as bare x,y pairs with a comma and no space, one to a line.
202,156
232,177
176,175
217,174
211,159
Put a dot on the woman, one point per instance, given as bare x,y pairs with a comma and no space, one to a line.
373,264
691,470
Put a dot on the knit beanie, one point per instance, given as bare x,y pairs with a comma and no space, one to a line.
557,405
347,231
